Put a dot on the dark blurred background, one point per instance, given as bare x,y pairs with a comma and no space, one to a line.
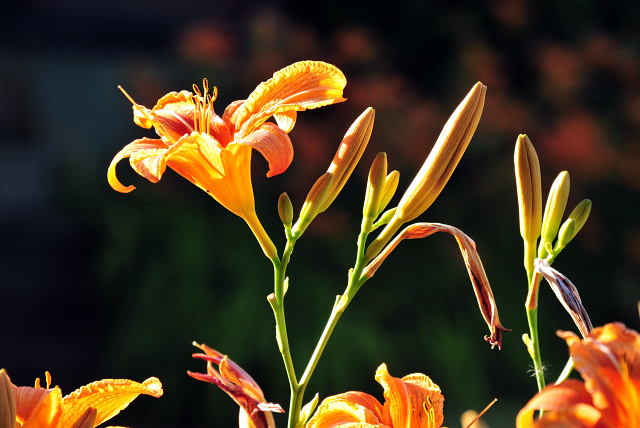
96,284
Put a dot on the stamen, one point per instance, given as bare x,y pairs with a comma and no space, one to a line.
482,413
47,376
37,383
140,108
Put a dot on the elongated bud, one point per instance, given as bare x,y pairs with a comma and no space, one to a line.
556,203
7,402
573,224
317,195
438,167
529,188
375,188
349,153
285,210
390,187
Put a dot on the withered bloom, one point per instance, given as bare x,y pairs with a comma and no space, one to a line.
567,294
479,279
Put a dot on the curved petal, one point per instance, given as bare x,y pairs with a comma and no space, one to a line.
38,407
609,362
568,401
143,145
300,86
107,396
286,120
412,401
479,280
355,409
274,144
172,116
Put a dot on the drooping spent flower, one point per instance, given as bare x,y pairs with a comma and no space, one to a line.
478,277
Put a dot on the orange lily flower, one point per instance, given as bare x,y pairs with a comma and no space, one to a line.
609,361
413,401
214,152
255,412
86,407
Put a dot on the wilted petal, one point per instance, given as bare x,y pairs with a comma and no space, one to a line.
300,86
478,277
274,144
108,397
412,401
567,294
143,145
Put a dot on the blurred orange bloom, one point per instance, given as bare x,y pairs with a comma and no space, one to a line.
609,361
86,407
413,401
214,152
255,412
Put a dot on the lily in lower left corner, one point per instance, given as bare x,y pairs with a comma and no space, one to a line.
86,407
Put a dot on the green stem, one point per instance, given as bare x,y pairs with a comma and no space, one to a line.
532,317
355,282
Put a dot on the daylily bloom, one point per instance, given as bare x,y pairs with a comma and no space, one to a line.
478,277
413,401
255,412
609,361
214,152
86,407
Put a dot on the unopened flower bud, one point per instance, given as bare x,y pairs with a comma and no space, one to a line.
573,224
529,188
556,203
375,188
438,167
349,153
384,218
390,187
285,210
317,195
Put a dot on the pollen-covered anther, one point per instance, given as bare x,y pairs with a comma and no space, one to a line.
203,106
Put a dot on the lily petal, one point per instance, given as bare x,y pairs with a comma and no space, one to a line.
274,144
415,400
479,279
568,402
286,120
38,407
107,396
143,145
357,408
609,362
300,86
